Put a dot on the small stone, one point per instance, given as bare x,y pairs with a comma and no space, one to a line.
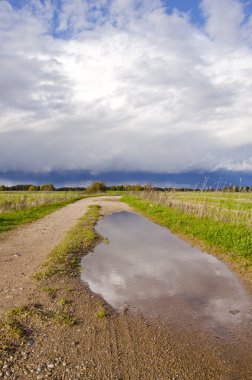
64,364
50,366
234,311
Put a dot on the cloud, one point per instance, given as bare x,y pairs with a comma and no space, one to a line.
115,85
229,11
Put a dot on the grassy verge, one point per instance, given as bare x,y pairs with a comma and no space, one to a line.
12,219
232,240
65,259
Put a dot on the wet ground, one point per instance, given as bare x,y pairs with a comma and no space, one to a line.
151,270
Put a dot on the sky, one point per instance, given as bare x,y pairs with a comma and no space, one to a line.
106,88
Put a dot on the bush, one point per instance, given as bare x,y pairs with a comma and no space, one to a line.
47,187
96,187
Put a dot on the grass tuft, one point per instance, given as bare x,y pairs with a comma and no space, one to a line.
65,318
65,259
101,313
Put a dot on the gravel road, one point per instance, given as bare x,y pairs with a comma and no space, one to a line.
121,346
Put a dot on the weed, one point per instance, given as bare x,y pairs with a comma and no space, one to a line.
52,292
64,301
17,311
65,318
101,313
17,328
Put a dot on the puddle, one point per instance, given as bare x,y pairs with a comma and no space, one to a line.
151,270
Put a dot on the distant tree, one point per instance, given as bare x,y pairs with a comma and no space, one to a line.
2,188
20,187
47,187
32,188
149,187
96,187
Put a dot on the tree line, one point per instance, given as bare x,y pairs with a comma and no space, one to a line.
100,187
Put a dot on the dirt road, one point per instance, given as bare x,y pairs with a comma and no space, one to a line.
23,250
120,346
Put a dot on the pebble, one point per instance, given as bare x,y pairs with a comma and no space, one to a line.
50,366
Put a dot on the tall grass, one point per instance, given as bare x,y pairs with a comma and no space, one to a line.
25,207
218,231
13,201
219,206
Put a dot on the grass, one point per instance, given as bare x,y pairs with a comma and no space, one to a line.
101,313
65,318
232,239
65,259
51,291
17,216
220,206
17,328
56,304
19,318
17,200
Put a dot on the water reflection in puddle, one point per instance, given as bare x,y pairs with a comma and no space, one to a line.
150,269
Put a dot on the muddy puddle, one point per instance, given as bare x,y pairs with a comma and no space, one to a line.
152,271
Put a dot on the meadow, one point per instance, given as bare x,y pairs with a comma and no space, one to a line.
217,205
216,221
22,207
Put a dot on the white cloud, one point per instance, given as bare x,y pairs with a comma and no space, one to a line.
130,88
224,18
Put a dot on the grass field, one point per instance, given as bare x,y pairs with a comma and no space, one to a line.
220,206
17,208
219,222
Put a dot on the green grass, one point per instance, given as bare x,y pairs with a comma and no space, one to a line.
65,259
220,206
101,313
65,318
232,239
17,328
240,202
12,219
16,200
